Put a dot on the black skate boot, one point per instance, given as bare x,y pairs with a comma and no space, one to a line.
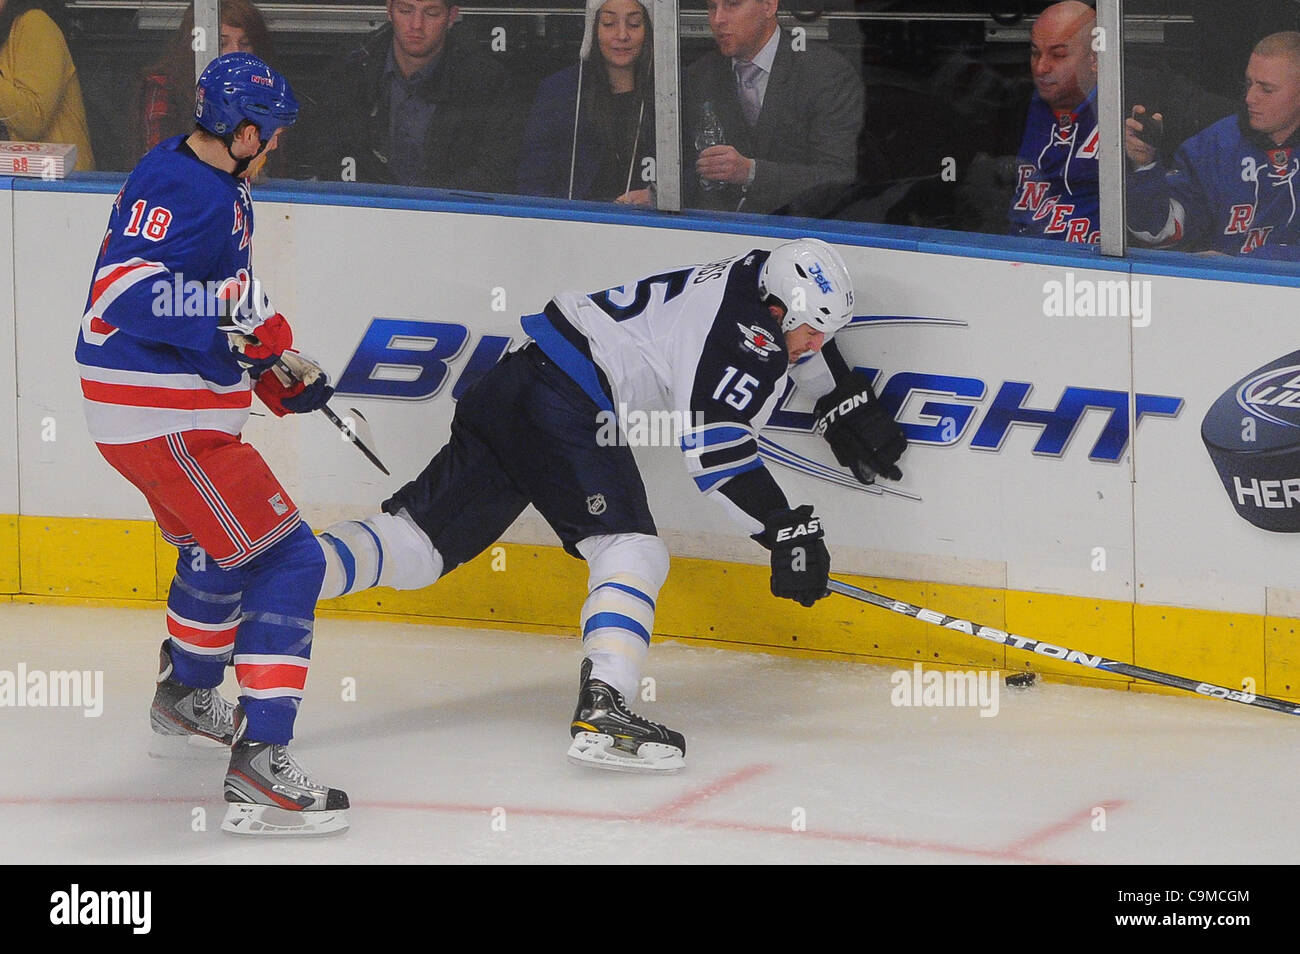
270,794
187,722
609,735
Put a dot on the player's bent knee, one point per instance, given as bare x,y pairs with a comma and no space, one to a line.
381,550
297,553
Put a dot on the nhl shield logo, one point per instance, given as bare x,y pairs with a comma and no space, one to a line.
596,504
1280,160
278,505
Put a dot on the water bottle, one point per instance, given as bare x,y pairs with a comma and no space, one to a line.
709,133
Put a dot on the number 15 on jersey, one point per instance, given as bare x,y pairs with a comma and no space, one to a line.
737,394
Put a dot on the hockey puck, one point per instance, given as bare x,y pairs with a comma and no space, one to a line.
1252,433
1021,680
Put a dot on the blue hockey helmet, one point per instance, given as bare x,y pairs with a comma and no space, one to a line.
239,86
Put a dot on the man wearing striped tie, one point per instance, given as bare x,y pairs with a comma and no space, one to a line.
790,112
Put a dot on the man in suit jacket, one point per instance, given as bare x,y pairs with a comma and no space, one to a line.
791,117
414,106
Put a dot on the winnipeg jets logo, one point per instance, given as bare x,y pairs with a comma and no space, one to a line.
823,283
758,341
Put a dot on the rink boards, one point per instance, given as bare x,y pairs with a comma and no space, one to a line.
1057,483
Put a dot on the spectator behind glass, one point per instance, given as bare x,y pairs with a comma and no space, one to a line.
40,95
1057,175
418,105
790,119
1231,188
165,101
592,125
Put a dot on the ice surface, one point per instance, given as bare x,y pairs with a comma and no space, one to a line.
451,724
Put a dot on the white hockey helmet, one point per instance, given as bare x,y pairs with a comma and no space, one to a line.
811,281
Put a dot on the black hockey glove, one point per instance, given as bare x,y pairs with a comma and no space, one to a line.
801,565
863,437
294,397
312,397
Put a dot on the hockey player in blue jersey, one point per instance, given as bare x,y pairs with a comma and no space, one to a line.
714,344
166,398
1057,194
1232,186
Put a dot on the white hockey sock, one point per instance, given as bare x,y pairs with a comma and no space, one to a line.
381,550
617,619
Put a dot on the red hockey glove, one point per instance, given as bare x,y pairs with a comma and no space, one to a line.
293,398
269,340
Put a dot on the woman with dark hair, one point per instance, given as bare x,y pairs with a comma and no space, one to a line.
165,102
590,134
40,95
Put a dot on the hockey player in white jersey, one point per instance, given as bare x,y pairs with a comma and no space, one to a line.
713,343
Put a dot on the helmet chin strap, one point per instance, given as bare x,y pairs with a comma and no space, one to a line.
787,322
241,165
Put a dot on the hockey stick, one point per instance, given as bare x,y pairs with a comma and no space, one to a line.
1060,652
290,367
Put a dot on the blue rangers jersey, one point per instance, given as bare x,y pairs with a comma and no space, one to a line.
178,246
697,342
1057,192
1230,190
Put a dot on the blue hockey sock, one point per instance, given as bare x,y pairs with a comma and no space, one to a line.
203,610
273,644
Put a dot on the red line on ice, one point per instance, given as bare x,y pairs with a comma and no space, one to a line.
702,794
1059,828
671,813
656,817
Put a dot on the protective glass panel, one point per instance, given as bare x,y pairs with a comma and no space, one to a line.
1212,99
53,90
903,112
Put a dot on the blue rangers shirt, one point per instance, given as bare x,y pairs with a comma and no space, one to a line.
1057,193
178,250
1230,190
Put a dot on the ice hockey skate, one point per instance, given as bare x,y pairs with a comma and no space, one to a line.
609,735
188,723
270,794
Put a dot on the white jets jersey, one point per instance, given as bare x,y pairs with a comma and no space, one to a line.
695,341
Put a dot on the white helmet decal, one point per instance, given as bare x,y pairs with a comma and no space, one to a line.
809,278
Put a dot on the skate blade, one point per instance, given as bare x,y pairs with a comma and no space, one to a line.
244,818
187,747
652,758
